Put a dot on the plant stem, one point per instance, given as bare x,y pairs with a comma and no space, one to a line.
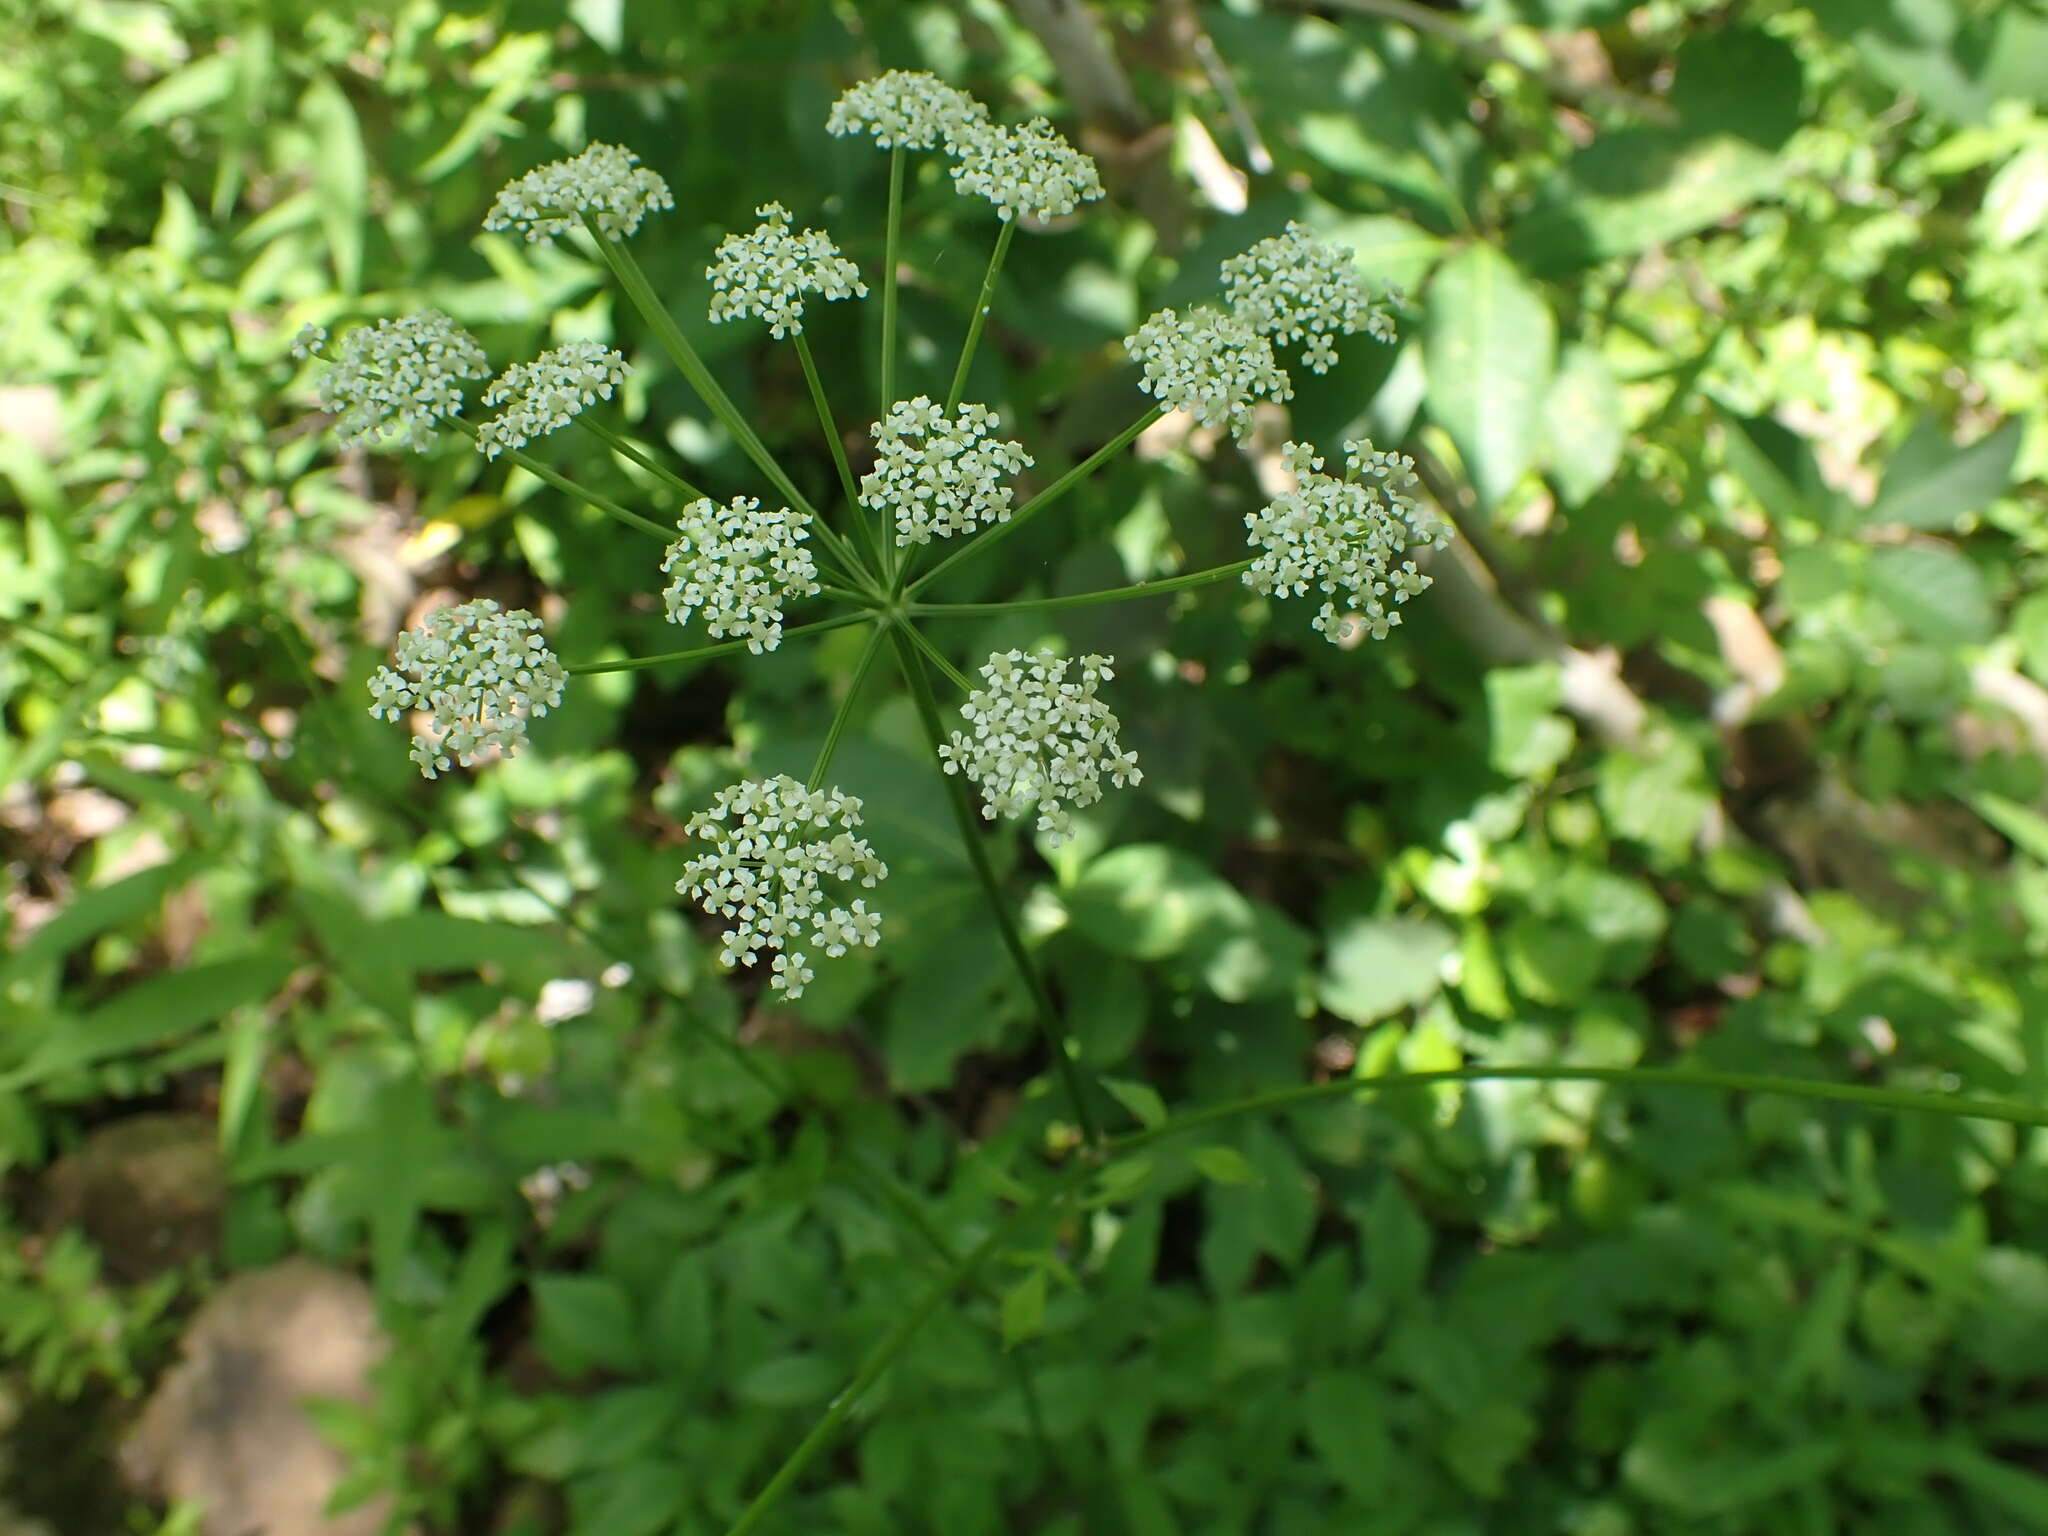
1046,497
603,504
706,652
981,307
831,430
889,278
937,659
1082,599
844,712
977,855
1645,1077
884,1354
620,445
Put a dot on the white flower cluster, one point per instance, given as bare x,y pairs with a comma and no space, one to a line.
940,476
1029,171
477,671
1295,288
398,377
605,181
773,842
1040,740
309,341
906,109
739,565
1210,364
544,394
1344,534
768,273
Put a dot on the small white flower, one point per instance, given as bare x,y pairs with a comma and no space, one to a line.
1210,364
940,476
546,393
605,181
768,273
309,341
906,109
1030,170
1344,535
773,844
739,565
400,377
1040,740
1295,288
477,671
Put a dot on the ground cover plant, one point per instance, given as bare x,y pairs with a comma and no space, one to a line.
1345,832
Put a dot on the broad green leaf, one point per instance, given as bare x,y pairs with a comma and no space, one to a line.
584,1323
203,83
1344,1417
1527,737
1775,465
1635,188
1934,592
1376,966
1931,483
2027,828
1554,963
1141,1099
96,910
790,1381
1582,425
1740,81
1389,250
645,1497
1223,1165
1023,1309
341,175
1490,346
1148,900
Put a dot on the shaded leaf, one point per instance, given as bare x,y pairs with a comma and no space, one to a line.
1490,345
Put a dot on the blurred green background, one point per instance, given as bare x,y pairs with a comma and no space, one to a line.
1719,739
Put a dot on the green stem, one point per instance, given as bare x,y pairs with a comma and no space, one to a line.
889,278
1046,497
977,855
1645,1077
1081,599
981,308
937,659
706,652
844,712
603,504
883,1355
684,356
831,430
620,445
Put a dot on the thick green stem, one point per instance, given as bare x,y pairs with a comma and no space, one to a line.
568,487
981,308
977,856
707,652
620,445
1082,599
831,431
889,278
1045,498
844,712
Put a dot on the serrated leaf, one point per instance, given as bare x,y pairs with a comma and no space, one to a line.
1931,483
1490,348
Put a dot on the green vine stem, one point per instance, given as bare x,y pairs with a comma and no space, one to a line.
619,445
884,1354
938,659
977,854
706,652
889,278
568,487
831,431
844,712
981,308
1044,498
1082,599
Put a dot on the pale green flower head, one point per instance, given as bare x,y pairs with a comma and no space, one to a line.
737,565
906,109
768,272
1209,363
1345,536
606,182
397,377
773,844
1027,172
1040,742
938,475
547,393
478,671
1295,288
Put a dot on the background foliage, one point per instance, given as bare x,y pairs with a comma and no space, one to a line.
1719,739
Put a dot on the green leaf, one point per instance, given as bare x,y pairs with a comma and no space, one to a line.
1635,188
1739,81
1775,465
1555,963
95,911
1490,345
584,1323
1223,1165
790,1381
1527,737
2027,829
1141,1099
1931,483
341,176
1147,901
203,83
1389,250
1934,592
1023,1309
1376,966
1582,425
